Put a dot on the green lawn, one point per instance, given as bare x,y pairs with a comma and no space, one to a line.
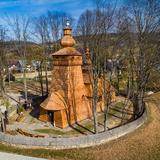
75,131
86,127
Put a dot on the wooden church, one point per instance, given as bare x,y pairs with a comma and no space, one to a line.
70,95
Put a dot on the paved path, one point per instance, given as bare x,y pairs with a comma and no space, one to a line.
8,156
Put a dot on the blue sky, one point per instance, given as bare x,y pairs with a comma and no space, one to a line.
38,7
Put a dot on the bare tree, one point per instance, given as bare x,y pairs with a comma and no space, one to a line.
19,26
2,59
146,23
94,27
85,27
56,23
42,31
48,30
139,27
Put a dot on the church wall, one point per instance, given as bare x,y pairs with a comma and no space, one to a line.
43,115
71,85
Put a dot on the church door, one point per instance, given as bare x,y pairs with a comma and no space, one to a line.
51,117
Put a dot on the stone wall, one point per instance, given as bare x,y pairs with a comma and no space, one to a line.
75,142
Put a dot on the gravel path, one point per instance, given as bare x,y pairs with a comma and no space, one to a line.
9,156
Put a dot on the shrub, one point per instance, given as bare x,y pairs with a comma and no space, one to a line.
20,109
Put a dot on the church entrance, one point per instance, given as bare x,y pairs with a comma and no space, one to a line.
51,117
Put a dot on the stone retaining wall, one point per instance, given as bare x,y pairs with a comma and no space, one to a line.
75,142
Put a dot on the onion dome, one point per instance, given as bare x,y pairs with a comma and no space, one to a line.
67,40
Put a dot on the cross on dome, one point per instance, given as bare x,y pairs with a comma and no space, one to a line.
67,23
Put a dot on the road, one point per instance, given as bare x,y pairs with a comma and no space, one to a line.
31,74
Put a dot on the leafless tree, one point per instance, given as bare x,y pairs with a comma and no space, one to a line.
48,30
2,59
139,27
42,31
56,23
19,27
85,27
146,23
94,27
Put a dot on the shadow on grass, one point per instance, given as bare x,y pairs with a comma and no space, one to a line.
85,128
